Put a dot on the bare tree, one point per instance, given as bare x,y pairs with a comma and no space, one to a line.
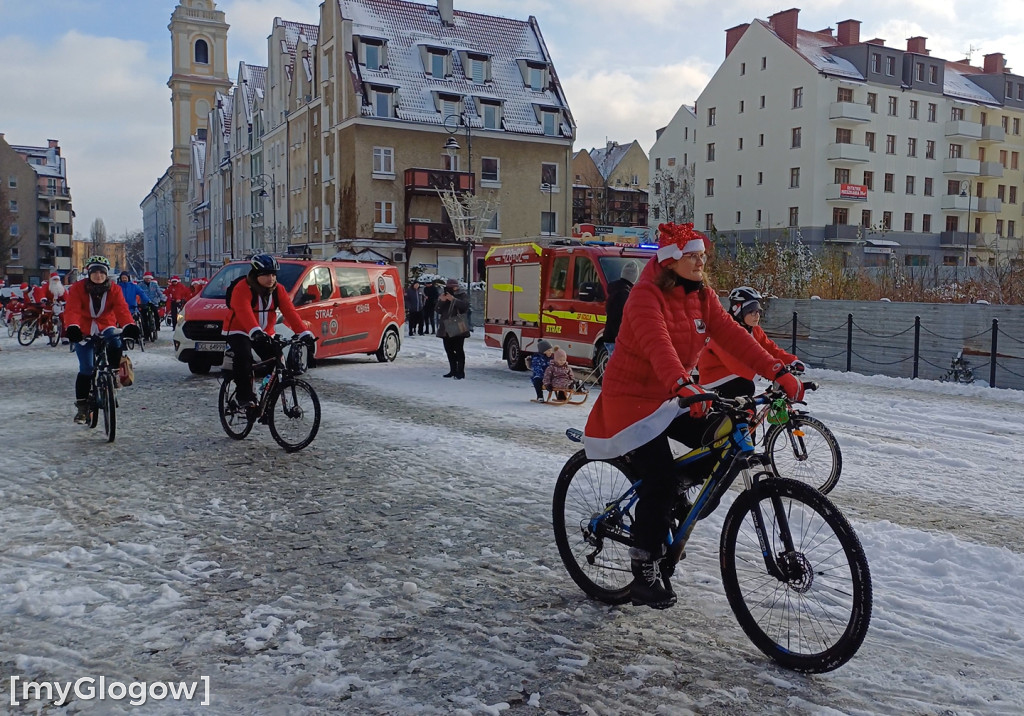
97,237
134,251
7,240
670,195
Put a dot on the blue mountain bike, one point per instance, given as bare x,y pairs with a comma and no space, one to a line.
793,568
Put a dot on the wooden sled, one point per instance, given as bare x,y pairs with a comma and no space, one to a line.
577,395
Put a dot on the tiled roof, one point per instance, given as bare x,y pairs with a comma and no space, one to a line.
409,26
292,32
955,83
199,157
55,165
608,158
813,46
253,81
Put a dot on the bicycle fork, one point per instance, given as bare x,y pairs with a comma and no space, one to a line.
761,527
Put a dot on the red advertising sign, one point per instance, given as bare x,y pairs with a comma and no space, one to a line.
859,192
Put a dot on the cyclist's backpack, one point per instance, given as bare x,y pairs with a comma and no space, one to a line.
231,287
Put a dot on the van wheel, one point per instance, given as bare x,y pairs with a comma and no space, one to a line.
199,366
389,346
514,354
601,362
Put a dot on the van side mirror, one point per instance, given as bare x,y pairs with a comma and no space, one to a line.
591,291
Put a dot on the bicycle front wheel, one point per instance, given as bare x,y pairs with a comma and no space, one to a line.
596,556
27,332
55,331
107,404
805,449
12,327
811,611
294,414
232,417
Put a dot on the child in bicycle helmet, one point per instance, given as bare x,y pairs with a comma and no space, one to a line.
725,374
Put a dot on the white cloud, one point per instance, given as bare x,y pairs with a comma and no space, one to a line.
251,22
106,102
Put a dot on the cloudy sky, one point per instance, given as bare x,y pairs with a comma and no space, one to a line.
93,73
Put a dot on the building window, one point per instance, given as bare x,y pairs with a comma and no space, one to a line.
794,178
919,71
869,180
12,204
932,111
928,186
657,187
842,176
760,140
956,151
893,102
887,220
908,222
202,53
929,149
1013,193
1002,158
739,144
844,94
933,74
372,53
1001,192
739,180
494,224
1016,121
912,147
550,120
844,136
764,63
657,166
490,169
709,187
910,185
869,141
913,108
737,217
709,222
926,222
492,115
890,66
760,178
999,227
876,62
450,163
537,78
795,138
437,64
549,174
381,102
890,179
890,144
672,161
655,213
14,231
1011,229
384,215
956,114
1005,123
798,97
840,216
1014,159
711,151
1009,90
711,116
758,217
477,70
743,68
762,102
865,217
547,223
872,102
915,259
384,161
741,106
12,182
794,216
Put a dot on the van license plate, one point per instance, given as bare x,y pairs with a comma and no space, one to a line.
210,347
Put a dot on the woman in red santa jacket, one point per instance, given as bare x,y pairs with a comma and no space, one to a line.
725,374
669,319
254,303
95,306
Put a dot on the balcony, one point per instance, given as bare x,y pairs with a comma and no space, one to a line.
62,263
848,153
960,165
955,202
842,233
841,193
434,233
62,240
957,239
989,205
962,129
430,181
849,113
991,133
991,169
62,217
51,192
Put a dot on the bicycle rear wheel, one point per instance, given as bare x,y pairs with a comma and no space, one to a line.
107,404
596,559
27,332
12,327
805,449
294,414
232,417
55,331
812,614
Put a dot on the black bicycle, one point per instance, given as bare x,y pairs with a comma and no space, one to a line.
288,405
793,568
148,327
102,398
131,344
959,370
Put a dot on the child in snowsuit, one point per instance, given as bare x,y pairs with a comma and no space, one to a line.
558,376
539,362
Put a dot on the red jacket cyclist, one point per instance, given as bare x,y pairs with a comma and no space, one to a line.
254,304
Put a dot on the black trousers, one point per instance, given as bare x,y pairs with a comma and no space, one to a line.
657,492
429,317
453,347
735,388
415,321
241,366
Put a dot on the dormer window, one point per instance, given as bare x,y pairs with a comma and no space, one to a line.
536,78
373,58
437,63
450,105
491,112
372,52
382,101
549,119
535,74
477,67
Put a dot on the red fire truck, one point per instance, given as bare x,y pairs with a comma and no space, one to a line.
555,291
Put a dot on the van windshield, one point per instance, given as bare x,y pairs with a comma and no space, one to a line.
612,265
218,286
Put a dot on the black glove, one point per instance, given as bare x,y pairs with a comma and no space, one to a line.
74,334
131,331
259,338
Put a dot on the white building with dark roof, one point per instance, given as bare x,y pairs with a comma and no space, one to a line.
860,146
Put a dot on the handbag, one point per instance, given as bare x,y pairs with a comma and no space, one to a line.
455,326
126,371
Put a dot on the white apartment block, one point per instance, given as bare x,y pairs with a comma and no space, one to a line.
672,166
887,154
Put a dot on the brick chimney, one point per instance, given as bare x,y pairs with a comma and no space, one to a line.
53,142
733,35
995,64
848,32
785,25
446,9
916,45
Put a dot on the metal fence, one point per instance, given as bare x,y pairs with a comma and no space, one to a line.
910,340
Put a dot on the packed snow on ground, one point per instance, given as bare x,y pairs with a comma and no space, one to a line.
405,564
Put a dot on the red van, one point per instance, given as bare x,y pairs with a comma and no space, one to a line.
351,306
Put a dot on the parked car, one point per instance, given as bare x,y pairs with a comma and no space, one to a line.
352,307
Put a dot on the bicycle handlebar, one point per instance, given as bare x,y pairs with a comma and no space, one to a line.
742,402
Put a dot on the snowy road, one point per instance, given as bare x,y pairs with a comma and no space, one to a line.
404,564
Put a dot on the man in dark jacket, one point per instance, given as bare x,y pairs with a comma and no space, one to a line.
431,292
414,307
618,292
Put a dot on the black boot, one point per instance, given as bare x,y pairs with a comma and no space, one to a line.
646,588
82,411
460,369
451,369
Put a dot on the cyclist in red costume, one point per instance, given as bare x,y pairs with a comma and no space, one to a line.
177,295
255,301
670,317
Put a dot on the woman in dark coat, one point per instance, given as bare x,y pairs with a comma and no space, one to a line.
453,303
431,292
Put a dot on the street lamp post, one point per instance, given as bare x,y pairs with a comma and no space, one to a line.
966,190
261,180
451,147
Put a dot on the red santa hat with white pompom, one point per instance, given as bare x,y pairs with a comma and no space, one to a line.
674,240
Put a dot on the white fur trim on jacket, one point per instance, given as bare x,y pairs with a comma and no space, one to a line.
639,433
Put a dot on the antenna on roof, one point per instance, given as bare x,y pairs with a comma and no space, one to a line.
971,49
